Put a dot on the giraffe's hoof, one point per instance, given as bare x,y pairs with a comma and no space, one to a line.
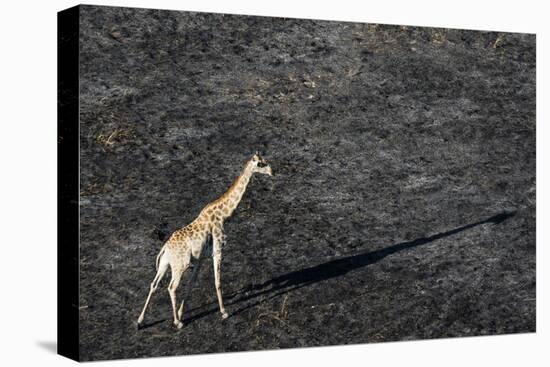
178,324
224,315
139,325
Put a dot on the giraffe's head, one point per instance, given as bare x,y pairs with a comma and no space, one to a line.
260,165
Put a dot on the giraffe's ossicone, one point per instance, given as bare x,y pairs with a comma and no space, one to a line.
190,241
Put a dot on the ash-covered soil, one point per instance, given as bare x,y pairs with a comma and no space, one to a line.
403,199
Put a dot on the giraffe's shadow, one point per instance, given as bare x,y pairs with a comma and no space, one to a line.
150,324
259,293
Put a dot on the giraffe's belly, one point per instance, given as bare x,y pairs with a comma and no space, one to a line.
201,247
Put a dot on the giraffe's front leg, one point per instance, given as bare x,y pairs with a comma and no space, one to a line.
217,256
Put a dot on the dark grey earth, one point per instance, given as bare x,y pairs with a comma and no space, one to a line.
402,205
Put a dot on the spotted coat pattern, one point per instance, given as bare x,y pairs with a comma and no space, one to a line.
190,242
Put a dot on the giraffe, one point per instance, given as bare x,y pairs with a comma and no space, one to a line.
189,242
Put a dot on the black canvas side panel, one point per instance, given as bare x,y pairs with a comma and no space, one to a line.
67,183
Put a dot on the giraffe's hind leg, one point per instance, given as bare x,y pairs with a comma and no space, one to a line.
163,266
190,285
177,272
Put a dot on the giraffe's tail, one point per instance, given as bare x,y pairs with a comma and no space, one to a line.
158,257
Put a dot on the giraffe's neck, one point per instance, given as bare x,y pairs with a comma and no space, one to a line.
234,194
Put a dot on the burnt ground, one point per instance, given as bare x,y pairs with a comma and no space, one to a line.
402,205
